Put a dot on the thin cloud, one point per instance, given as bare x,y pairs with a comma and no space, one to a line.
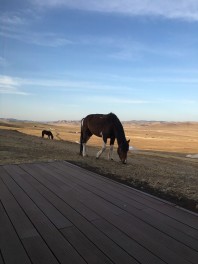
11,90
129,101
15,26
9,85
12,20
171,9
116,101
68,85
120,101
3,61
47,39
181,102
15,84
9,81
163,79
128,49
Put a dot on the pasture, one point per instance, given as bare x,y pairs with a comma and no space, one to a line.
156,164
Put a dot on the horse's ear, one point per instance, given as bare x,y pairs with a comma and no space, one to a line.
128,140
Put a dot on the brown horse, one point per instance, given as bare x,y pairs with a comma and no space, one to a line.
105,126
48,133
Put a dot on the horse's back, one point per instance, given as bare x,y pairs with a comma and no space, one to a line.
98,124
101,119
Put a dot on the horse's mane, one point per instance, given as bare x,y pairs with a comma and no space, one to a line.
115,121
119,130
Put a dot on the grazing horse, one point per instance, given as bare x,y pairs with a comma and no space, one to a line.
105,126
48,133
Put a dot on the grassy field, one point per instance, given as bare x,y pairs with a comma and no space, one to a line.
157,165
155,136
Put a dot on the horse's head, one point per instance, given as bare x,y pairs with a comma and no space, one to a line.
123,148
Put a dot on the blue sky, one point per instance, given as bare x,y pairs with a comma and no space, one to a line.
64,59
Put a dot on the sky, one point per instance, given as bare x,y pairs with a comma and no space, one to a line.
65,59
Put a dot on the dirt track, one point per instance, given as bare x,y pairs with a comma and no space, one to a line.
167,175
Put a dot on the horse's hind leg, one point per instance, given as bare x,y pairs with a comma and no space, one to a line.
84,150
84,138
84,147
81,147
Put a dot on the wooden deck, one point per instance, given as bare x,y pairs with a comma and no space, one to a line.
59,213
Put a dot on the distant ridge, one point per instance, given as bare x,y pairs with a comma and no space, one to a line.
13,120
138,122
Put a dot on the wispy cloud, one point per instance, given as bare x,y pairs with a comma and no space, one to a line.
171,9
15,26
9,85
12,19
127,101
181,102
128,49
3,61
115,100
47,39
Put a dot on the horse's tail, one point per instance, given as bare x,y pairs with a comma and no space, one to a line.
43,133
81,137
52,136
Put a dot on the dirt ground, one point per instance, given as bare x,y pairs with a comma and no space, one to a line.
166,174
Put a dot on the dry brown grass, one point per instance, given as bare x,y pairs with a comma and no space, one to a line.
169,137
159,165
165,137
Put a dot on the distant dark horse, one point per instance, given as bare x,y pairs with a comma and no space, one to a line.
105,126
48,133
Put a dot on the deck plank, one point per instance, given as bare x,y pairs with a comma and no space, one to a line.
112,191
10,244
64,202
96,203
185,252
59,246
1,259
86,248
148,201
161,222
50,211
60,213
29,237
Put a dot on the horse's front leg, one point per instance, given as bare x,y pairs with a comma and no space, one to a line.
102,150
110,154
